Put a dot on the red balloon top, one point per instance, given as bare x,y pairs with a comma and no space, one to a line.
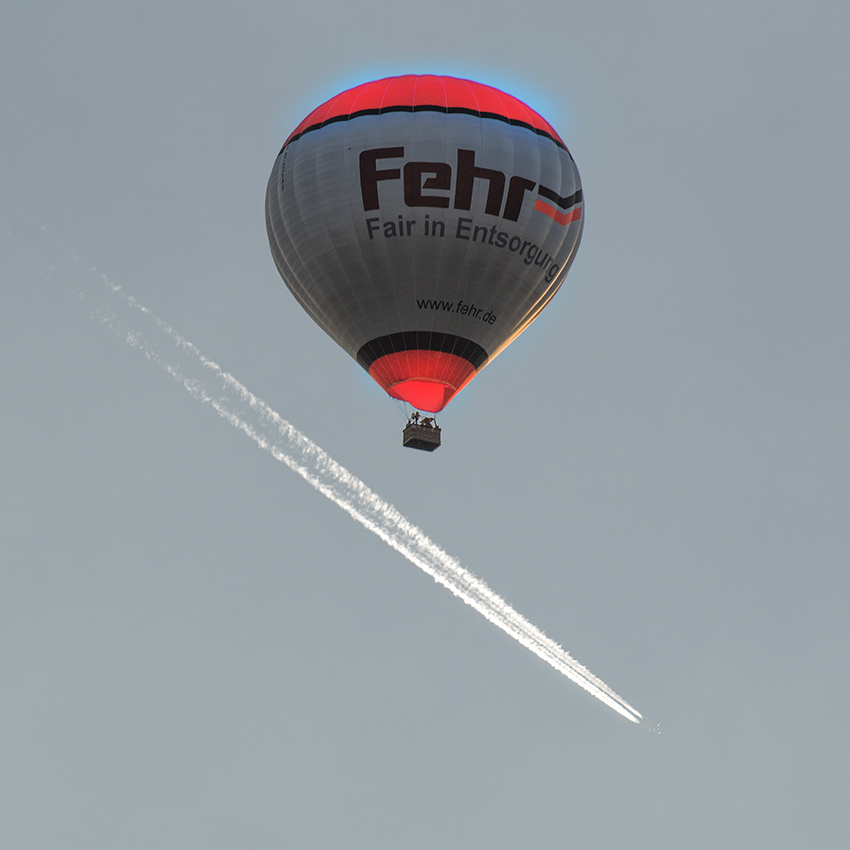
413,92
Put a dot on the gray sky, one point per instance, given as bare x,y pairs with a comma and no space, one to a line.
198,650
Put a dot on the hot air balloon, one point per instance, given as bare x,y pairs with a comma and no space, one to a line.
423,222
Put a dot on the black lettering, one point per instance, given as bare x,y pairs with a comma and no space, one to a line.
478,229
460,307
369,174
413,184
516,192
462,227
502,239
467,171
372,226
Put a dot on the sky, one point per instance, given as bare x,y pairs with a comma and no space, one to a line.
198,650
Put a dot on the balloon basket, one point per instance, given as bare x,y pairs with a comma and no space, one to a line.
421,434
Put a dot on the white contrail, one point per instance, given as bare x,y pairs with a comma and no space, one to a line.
242,409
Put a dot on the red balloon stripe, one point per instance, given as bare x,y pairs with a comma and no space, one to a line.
413,91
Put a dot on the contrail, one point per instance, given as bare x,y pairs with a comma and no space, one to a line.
208,383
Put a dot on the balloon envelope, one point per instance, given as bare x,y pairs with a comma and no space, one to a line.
424,222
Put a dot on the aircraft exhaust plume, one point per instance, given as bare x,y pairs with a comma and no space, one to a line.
207,382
